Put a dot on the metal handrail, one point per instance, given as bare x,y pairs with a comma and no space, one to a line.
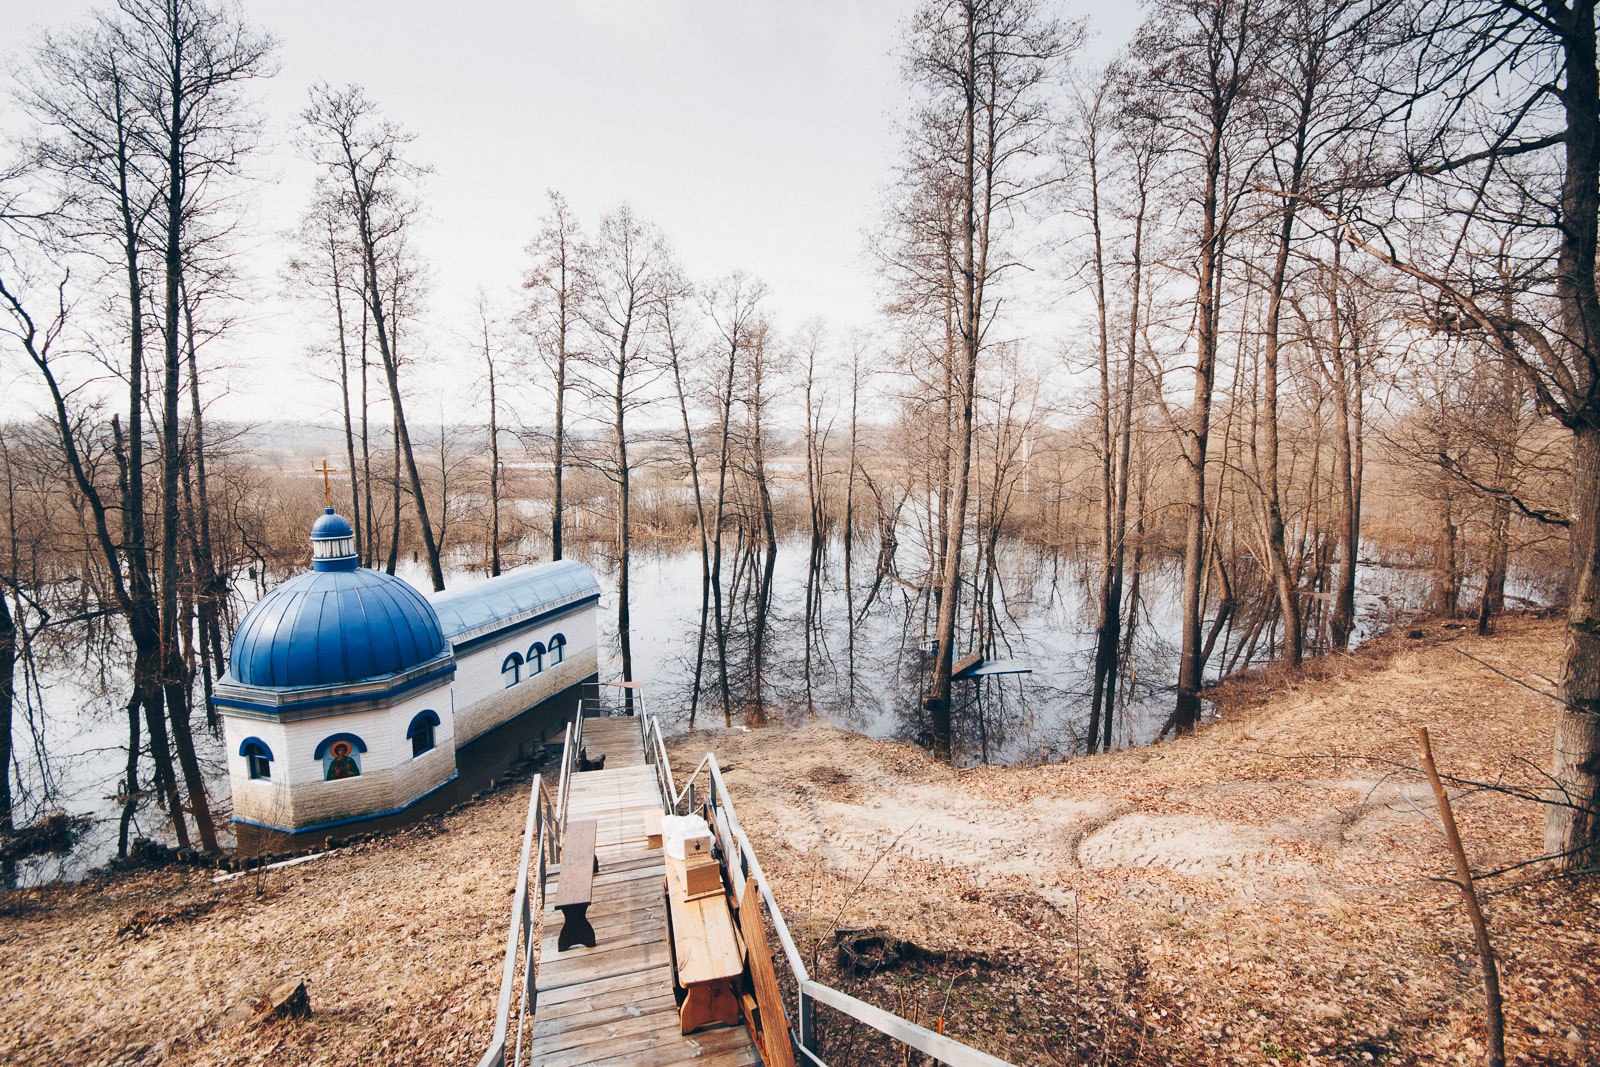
941,1048
541,844
655,754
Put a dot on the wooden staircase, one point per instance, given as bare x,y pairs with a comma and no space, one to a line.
614,1004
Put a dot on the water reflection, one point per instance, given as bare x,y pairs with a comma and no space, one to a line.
837,635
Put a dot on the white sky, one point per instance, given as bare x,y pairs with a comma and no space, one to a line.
757,134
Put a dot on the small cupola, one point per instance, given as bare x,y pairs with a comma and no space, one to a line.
333,543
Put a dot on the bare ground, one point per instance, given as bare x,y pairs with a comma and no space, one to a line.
1263,892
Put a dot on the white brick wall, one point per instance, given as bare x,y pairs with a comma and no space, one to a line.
296,796
483,701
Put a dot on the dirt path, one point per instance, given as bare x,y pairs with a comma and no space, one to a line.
1269,886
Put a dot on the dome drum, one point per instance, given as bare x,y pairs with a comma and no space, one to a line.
333,543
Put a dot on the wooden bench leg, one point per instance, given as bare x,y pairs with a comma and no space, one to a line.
575,927
708,1002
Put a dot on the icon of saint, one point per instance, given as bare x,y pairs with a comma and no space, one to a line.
343,764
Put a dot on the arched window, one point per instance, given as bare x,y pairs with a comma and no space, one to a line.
558,647
341,756
420,732
257,757
535,658
513,666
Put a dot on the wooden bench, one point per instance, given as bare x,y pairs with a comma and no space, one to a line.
576,889
709,961
652,828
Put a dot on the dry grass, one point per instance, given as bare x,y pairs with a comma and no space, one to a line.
1264,891
399,941
1261,892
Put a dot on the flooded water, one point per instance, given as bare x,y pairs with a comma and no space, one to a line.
862,667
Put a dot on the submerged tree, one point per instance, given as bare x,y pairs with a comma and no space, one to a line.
981,71
1201,55
144,121
629,268
556,283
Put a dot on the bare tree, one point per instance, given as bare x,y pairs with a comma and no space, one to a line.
345,135
675,332
1201,55
629,268
144,121
981,69
487,344
733,306
327,265
557,284
1468,152
1126,139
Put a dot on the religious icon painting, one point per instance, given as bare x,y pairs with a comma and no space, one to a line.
340,762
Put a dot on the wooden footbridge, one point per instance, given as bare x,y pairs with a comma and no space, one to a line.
611,959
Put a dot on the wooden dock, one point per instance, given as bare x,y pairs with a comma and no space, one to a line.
613,1004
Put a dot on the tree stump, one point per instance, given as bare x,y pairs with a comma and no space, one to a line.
286,1000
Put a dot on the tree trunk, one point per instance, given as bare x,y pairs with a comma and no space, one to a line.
1191,663
974,252
494,462
1109,538
624,627
366,444
391,370
558,505
1572,822
344,392
1446,583
700,526
174,674
769,539
1574,832
8,690
213,586
394,493
1281,575
716,545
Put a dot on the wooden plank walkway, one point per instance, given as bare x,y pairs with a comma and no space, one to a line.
613,1004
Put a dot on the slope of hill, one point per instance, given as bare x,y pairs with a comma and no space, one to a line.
1264,891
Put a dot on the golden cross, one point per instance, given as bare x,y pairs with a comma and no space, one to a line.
326,471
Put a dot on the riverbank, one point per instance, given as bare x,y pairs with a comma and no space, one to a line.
1267,890
1262,891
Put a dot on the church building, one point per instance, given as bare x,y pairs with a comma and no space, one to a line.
349,693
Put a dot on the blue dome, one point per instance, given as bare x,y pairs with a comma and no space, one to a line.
331,524
332,627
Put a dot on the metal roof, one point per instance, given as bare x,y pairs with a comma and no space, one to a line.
511,598
334,627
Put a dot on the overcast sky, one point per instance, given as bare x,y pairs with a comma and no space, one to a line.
757,134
